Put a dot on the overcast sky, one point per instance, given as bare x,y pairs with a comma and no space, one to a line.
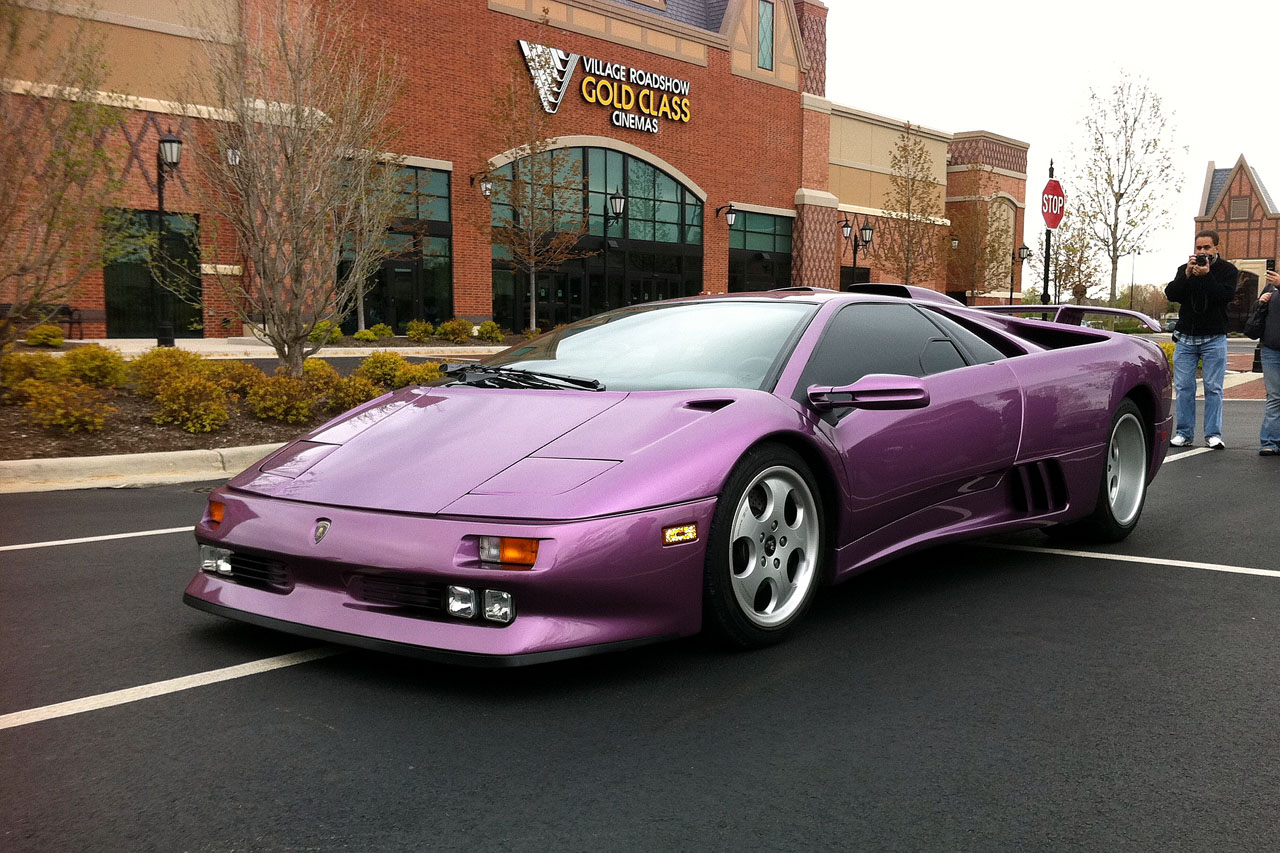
1024,69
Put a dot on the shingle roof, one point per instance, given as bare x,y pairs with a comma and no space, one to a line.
1262,191
1216,186
703,14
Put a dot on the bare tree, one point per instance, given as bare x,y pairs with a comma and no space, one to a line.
294,161
59,178
1075,267
1129,173
984,228
538,207
909,240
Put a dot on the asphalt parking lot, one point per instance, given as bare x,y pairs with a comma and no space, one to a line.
1010,694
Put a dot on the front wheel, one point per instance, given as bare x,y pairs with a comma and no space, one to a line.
1123,489
765,548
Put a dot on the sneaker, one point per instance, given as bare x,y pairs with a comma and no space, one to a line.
1179,441
1269,451
1214,442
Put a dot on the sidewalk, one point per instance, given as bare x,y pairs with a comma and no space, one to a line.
182,466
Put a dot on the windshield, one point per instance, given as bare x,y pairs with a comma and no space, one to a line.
715,344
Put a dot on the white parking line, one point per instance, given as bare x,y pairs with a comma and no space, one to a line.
160,688
55,542
1125,558
1174,457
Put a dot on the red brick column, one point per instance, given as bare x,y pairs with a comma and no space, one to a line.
815,262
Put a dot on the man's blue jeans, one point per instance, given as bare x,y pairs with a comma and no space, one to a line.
1185,358
1270,434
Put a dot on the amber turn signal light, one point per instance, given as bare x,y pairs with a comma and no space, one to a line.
216,508
509,550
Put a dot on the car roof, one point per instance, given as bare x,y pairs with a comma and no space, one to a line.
855,293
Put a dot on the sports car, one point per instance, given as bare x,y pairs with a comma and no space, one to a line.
703,463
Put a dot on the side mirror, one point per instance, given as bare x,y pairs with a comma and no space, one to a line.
874,391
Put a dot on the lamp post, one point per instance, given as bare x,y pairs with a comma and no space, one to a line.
168,154
617,204
862,238
1019,256
1133,262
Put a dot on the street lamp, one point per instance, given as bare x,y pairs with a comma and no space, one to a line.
617,204
955,243
1133,261
1019,257
168,154
731,213
863,238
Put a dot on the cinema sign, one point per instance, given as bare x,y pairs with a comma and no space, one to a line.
639,99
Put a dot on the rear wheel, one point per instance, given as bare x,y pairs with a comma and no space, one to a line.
765,548
1123,489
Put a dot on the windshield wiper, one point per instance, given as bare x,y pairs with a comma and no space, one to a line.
512,377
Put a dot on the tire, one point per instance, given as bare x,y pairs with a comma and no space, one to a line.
1123,490
765,549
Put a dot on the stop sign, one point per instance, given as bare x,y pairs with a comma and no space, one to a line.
1052,204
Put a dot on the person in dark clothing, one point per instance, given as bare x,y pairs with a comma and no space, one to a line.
1202,288
1267,318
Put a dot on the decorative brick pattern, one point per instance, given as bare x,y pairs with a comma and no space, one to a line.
813,34
814,245
989,152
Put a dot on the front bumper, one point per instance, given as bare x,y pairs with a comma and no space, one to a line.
598,584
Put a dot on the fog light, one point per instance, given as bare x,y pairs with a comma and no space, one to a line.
498,606
509,550
215,560
461,602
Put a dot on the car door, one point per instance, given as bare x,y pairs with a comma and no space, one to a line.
901,462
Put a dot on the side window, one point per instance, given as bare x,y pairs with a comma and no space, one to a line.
878,338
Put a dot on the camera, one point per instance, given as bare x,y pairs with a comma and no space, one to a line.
1202,260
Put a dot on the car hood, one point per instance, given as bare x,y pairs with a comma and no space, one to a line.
529,454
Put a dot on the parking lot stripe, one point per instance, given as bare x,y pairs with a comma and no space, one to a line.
1183,454
1127,558
54,542
160,688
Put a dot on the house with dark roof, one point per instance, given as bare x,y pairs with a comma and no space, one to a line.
1237,205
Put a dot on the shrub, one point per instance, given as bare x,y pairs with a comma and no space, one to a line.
192,401
96,365
532,332
382,331
490,331
319,375
365,335
1167,346
44,335
325,332
15,368
351,391
67,405
381,368
159,366
457,330
419,331
417,374
234,376
281,398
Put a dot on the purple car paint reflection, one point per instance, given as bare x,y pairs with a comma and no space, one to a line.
672,467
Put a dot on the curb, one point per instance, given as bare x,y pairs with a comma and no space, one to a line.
127,470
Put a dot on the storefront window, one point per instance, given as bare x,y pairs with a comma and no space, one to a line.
759,252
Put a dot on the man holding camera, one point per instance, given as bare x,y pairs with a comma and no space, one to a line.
1202,288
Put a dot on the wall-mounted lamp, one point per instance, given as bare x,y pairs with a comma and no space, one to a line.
731,213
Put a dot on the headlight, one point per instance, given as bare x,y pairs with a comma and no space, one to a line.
215,560
499,606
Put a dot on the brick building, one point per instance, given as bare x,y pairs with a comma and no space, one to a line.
685,107
1236,204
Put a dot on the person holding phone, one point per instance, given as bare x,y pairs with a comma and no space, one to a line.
1203,288
1264,325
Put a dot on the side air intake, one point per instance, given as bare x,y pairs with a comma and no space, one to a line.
1038,488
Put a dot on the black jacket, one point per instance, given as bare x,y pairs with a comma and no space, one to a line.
1203,299
1271,322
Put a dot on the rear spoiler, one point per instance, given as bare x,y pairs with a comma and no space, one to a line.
1070,315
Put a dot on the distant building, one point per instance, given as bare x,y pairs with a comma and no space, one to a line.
1236,204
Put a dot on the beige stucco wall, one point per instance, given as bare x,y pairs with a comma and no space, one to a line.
861,149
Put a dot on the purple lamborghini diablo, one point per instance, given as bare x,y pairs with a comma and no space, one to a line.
674,466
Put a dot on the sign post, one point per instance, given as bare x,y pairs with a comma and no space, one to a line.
1053,204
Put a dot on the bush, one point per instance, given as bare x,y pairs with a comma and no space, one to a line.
319,375
158,367
67,405
365,335
351,391
325,332
234,376
457,330
282,398
381,368
96,366
44,335
382,331
15,368
1167,346
417,374
192,401
490,331
532,332
419,331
